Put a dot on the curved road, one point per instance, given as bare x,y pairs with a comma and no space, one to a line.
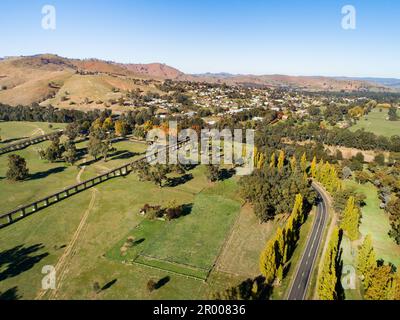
303,275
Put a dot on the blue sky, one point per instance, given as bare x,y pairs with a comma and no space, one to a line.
238,36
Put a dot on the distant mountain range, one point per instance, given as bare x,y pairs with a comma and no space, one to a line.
51,79
387,82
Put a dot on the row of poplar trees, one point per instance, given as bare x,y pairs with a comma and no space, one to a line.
380,281
329,280
279,248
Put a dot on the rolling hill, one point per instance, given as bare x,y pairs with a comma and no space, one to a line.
84,84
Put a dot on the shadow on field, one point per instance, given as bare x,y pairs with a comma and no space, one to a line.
44,174
226,174
109,285
19,259
162,282
10,294
186,209
122,154
177,181
13,140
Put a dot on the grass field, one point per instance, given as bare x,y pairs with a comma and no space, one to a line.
376,122
375,222
14,131
111,214
188,245
241,257
46,178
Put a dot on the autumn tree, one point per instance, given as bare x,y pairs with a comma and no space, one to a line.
121,128
366,260
380,284
303,162
351,219
281,160
328,281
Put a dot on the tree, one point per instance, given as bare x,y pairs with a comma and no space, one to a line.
72,131
158,173
268,262
71,154
393,208
380,284
328,281
121,128
17,170
212,172
313,168
362,177
392,114
151,285
293,163
272,162
108,124
303,162
281,160
351,219
380,159
346,173
359,157
366,260
95,147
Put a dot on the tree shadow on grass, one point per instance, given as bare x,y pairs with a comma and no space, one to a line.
162,282
19,259
137,242
226,174
13,140
108,285
177,181
44,174
122,154
186,209
10,294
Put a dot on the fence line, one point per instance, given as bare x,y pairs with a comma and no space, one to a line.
21,212
28,142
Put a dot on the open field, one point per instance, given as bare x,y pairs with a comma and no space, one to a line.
376,122
375,221
105,216
188,245
242,251
46,178
14,131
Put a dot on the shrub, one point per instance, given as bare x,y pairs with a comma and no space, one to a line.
151,285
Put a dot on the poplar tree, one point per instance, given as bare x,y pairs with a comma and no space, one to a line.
281,160
272,162
366,260
293,163
303,162
381,284
351,219
268,262
328,279
313,167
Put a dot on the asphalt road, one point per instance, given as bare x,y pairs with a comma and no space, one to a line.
303,276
